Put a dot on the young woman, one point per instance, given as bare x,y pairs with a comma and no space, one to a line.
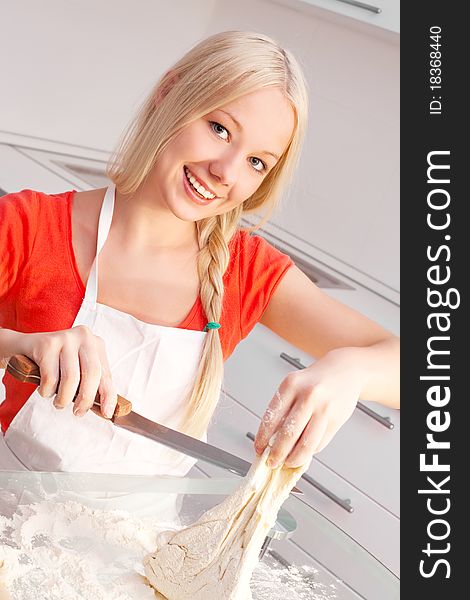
144,288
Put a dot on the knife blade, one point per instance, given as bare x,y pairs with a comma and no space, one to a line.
26,370
182,442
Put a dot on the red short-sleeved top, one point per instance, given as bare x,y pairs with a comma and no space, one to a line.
41,288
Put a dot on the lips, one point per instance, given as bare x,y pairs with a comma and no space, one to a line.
198,186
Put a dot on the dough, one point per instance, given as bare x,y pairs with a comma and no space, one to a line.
215,557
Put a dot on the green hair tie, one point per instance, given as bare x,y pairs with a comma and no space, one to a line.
211,325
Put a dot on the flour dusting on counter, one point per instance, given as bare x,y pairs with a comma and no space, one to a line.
68,551
54,551
273,581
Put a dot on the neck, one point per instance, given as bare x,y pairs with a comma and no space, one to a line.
143,223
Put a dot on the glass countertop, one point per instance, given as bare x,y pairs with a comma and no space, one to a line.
185,499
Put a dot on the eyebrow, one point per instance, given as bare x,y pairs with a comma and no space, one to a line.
239,127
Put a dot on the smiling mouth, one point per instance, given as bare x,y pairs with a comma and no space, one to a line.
197,187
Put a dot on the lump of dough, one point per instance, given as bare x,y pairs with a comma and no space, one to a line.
215,557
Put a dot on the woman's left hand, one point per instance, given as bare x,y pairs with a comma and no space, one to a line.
310,406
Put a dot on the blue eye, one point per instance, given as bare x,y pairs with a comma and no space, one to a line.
219,130
257,164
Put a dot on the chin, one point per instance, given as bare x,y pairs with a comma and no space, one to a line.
188,214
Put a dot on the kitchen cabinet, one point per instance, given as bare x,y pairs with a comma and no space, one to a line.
384,14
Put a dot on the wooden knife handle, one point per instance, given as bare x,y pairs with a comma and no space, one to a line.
27,371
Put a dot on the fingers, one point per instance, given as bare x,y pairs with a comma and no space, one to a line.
90,377
49,371
310,408
74,364
309,443
273,417
106,390
301,416
69,376
289,431
329,434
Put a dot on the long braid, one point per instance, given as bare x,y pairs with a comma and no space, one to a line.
214,236
212,263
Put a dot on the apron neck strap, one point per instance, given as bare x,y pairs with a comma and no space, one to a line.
104,225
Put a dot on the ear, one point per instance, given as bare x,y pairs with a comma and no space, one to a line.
167,82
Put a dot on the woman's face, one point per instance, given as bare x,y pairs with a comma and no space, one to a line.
218,161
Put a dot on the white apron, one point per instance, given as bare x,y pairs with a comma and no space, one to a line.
153,366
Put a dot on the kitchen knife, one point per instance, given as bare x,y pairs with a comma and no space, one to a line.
25,370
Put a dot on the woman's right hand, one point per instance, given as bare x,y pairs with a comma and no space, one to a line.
69,360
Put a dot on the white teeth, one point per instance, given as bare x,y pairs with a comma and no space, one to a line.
197,186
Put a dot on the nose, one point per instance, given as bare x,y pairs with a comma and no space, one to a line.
225,168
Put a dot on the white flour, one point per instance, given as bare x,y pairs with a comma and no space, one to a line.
67,551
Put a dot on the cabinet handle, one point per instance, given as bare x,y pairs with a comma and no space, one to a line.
345,504
385,421
369,7
293,361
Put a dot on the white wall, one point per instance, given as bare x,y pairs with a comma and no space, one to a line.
76,71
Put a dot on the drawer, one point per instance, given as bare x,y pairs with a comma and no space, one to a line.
369,524
365,451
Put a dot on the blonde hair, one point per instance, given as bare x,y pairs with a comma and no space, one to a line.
217,71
